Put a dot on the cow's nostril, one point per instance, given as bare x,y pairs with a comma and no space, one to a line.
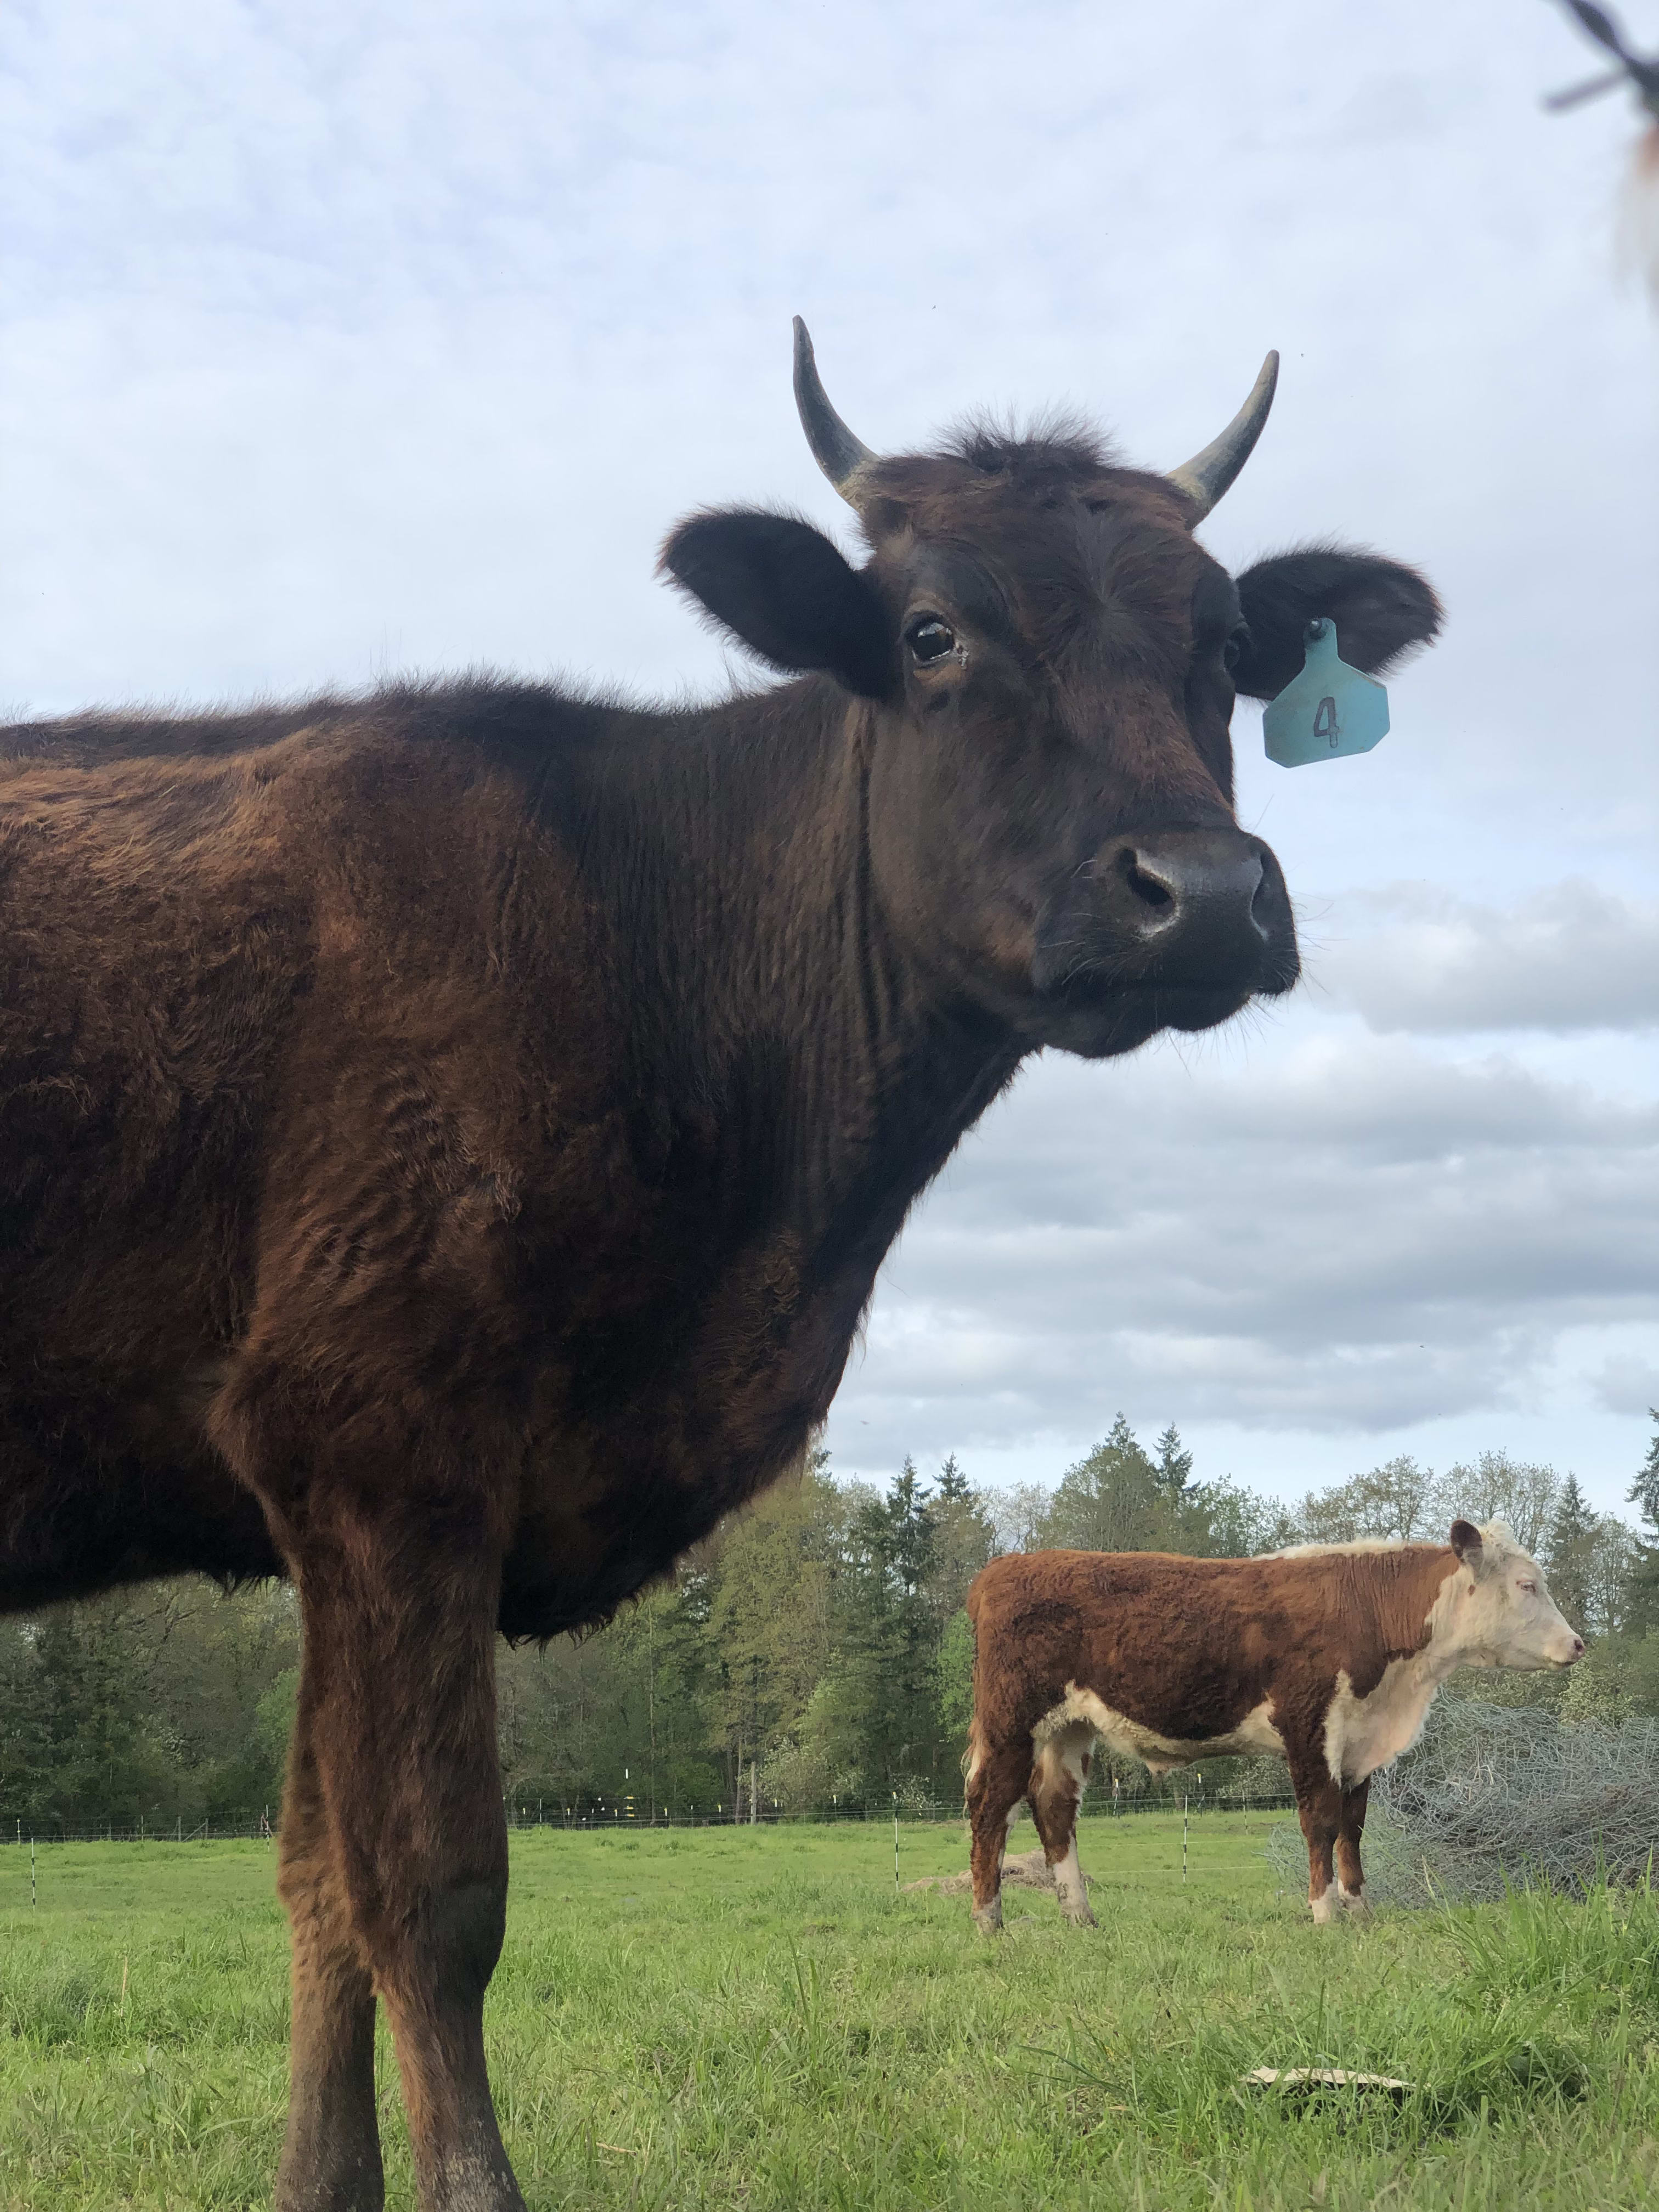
1264,901
1148,889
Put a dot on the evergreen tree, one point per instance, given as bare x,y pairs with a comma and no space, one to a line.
953,1486
1569,1560
1642,1590
963,1540
1113,1500
871,1722
904,1530
956,1682
1645,1491
1175,1466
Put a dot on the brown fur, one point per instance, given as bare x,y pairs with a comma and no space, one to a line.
1186,1650
447,1138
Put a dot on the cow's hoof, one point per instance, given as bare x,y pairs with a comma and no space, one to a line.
1355,1903
1325,1907
988,1918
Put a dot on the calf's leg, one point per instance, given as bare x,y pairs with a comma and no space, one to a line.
998,1777
399,1617
1319,1804
1057,1779
332,2151
1350,1875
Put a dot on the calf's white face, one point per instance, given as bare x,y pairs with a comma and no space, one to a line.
1501,1613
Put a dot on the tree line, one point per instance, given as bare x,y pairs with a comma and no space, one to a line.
813,1654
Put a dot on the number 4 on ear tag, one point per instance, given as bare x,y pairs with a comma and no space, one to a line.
1328,710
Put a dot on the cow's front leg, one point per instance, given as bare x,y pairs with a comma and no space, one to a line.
1350,1875
331,2151
399,1615
1319,1804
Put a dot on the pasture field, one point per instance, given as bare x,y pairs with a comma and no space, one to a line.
752,2018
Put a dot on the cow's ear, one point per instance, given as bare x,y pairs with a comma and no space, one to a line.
1380,608
1465,1542
785,590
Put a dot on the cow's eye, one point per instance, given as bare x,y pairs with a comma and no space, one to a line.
1529,1588
930,639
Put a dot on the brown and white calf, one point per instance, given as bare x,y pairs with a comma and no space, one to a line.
1327,1656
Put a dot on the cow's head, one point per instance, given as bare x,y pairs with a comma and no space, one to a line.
1503,1613
1046,662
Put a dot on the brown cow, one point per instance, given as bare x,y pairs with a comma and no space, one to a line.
1327,1656
447,1138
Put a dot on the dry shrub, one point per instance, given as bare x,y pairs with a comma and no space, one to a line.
1496,1798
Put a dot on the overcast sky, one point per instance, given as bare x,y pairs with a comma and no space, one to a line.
340,341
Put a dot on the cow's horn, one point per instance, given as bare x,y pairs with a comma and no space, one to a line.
836,450
1209,474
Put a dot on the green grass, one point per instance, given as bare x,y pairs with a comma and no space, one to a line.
752,2018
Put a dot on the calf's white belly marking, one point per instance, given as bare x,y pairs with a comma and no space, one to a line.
1129,1740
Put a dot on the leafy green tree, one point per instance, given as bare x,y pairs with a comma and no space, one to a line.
772,1617
1228,1521
1496,1487
1019,1515
1616,1680
1398,1501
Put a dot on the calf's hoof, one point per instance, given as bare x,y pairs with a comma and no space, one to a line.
1324,1908
988,1918
1355,1903
338,2170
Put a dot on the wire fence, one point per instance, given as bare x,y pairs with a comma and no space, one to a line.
625,1813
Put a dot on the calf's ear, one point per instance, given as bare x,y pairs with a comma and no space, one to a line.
784,591
1465,1542
1380,608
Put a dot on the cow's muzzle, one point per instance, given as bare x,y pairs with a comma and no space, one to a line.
1200,918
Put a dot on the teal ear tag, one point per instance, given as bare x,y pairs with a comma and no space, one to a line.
1328,710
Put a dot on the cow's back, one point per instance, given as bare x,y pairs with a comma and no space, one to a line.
1185,1649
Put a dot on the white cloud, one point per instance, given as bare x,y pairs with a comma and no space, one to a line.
1346,1237
1629,1381
1566,956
